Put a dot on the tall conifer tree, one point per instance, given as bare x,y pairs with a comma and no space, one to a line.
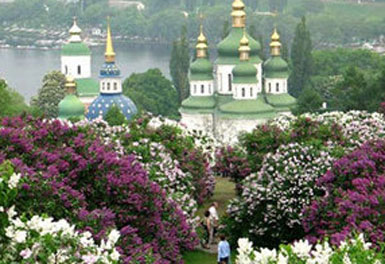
179,65
301,59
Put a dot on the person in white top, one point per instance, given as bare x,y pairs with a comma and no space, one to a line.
214,219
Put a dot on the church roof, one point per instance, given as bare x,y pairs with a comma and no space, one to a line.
281,102
201,104
228,49
201,70
75,49
87,87
245,72
71,106
276,67
247,109
104,102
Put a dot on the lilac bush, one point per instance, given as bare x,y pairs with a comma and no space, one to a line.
71,173
354,199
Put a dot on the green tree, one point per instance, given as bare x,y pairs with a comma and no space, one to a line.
301,59
225,29
50,94
309,101
152,92
11,102
277,5
179,66
115,117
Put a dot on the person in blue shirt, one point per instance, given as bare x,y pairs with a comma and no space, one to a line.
223,251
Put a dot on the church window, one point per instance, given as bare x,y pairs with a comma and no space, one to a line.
251,91
195,88
243,92
277,87
115,86
66,69
108,86
269,87
202,89
230,88
79,70
103,86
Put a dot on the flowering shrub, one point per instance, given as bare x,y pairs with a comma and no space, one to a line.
296,152
42,239
301,252
354,199
71,173
270,206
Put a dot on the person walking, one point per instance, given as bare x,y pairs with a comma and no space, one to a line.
214,220
223,251
207,227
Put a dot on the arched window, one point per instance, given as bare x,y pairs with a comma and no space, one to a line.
108,86
251,91
243,92
103,86
66,70
209,88
202,89
277,87
230,87
195,88
269,87
115,86
79,70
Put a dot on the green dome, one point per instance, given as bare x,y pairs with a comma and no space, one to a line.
245,72
201,70
228,48
276,67
247,109
71,106
75,49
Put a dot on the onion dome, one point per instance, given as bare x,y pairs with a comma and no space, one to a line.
245,71
110,74
75,46
276,67
71,106
228,48
201,69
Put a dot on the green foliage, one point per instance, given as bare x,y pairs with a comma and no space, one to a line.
152,92
50,94
115,117
301,58
309,101
179,66
277,5
11,102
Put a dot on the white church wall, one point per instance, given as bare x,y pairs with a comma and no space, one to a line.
110,85
78,67
245,91
203,122
259,77
224,79
201,88
276,86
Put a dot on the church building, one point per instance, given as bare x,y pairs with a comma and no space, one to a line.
239,91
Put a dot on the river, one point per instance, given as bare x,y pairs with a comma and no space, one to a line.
25,69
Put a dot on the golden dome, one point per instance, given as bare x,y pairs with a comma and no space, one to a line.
70,81
244,49
109,54
275,44
238,14
202,44
238,5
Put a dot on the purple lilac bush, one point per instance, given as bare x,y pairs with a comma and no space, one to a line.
71,173
354,199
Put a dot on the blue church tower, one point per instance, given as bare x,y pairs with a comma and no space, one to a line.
111,92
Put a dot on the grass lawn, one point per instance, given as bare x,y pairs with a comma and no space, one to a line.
224,192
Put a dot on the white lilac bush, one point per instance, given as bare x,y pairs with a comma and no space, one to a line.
302,252
40,239
287,157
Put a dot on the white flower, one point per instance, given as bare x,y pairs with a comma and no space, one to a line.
14,180
26,253
20,236
2,209
113,237
11,212
346,259
302,248
90,259
115,255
